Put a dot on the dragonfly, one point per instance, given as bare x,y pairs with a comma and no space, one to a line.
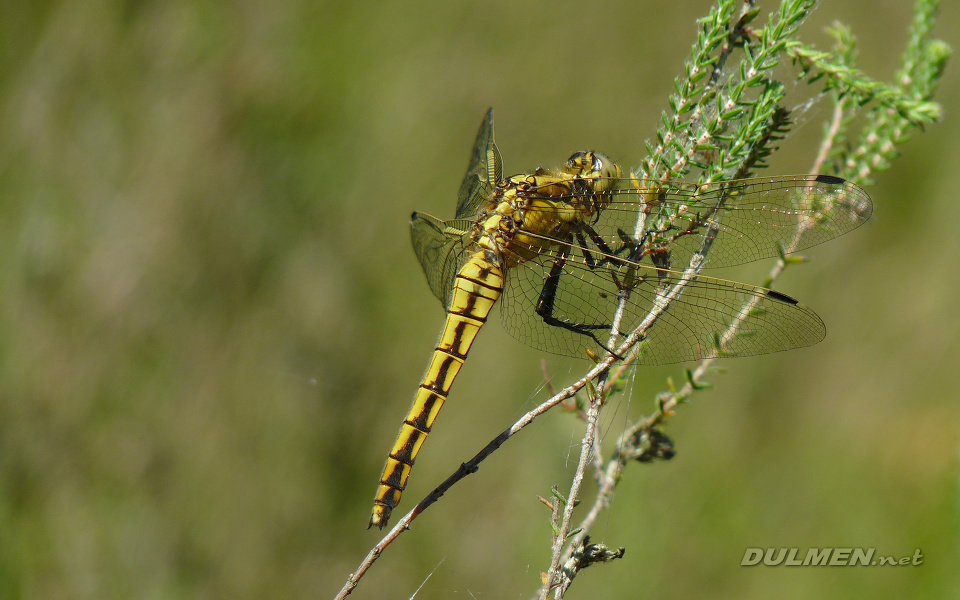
579,257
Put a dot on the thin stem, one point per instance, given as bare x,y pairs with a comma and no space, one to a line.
562,551
471,467
587,449
627,449
828,140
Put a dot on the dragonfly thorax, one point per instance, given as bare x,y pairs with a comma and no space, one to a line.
529,213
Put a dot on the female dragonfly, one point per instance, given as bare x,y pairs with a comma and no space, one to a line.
569,253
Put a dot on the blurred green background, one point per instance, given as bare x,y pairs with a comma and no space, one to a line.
211,322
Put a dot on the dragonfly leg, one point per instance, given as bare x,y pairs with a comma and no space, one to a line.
611,256
547,302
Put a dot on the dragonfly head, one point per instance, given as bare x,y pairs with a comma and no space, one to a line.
594,165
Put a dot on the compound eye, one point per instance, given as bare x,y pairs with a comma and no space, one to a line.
606,167
575,162
576,165
597,164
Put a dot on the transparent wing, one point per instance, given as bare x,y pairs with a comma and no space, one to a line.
640,245
485,171
693,325
440,247
758,218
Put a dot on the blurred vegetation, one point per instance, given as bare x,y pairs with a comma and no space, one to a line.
211,322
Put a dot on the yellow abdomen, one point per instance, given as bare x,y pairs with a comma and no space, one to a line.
478,286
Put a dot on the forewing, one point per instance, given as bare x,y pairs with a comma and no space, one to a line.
693,325
485,171
440,247
757,218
